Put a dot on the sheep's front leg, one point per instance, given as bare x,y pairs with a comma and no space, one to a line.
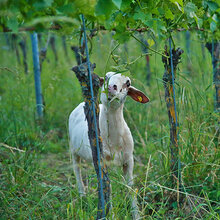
76,167
128,172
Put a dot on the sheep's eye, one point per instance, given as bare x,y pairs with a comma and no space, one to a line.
115,87
128,83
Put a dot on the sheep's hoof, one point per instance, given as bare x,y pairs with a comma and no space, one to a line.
82,194
135,215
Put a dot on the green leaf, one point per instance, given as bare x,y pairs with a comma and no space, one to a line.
213,26
150,42
180,2
104,7
12,24
125,5
156,26
155,11
199,22
140,15
169,14
48,3
190,9
66,9
121,37
117,3
215,18
213,6
121,34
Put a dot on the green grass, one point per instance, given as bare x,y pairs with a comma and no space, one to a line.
39,182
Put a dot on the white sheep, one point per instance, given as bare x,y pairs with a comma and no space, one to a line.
116,136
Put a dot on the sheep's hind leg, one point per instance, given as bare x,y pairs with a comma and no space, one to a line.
77,170
128,172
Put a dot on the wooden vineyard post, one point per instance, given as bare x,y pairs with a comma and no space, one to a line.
90,84
168,81
15,47
64,45
145,50
53,46
81,72
37,75
43,51
214,49
76,51
23,46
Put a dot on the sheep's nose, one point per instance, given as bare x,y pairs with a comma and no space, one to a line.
110,89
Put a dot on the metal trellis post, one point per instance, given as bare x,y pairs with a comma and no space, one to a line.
37,75
94,113
174,99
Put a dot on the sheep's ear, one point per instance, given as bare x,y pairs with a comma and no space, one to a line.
101,79
137,95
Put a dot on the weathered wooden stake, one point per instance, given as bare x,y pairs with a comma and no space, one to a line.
81,72
14,47
214,49
169,98
53,46
23,46
76,51
145,50
64,45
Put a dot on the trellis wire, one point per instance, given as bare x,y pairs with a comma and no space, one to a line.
93,108
39,100
174,100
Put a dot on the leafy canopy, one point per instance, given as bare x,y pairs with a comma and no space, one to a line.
123,16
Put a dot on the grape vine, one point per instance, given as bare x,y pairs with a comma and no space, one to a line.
160,17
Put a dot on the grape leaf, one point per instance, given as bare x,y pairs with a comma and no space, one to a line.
104,7
213,6
125,5
179,2
150,42
169,14
140,15
12,24
48,3
117,3
190,9
213,26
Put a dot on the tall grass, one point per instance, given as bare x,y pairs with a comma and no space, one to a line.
39,182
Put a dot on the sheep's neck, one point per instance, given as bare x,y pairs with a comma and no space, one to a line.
114,126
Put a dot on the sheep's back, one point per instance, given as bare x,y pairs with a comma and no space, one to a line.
78,133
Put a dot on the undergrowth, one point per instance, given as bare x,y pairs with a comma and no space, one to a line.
37,180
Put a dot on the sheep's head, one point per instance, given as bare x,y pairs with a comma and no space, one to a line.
116,88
